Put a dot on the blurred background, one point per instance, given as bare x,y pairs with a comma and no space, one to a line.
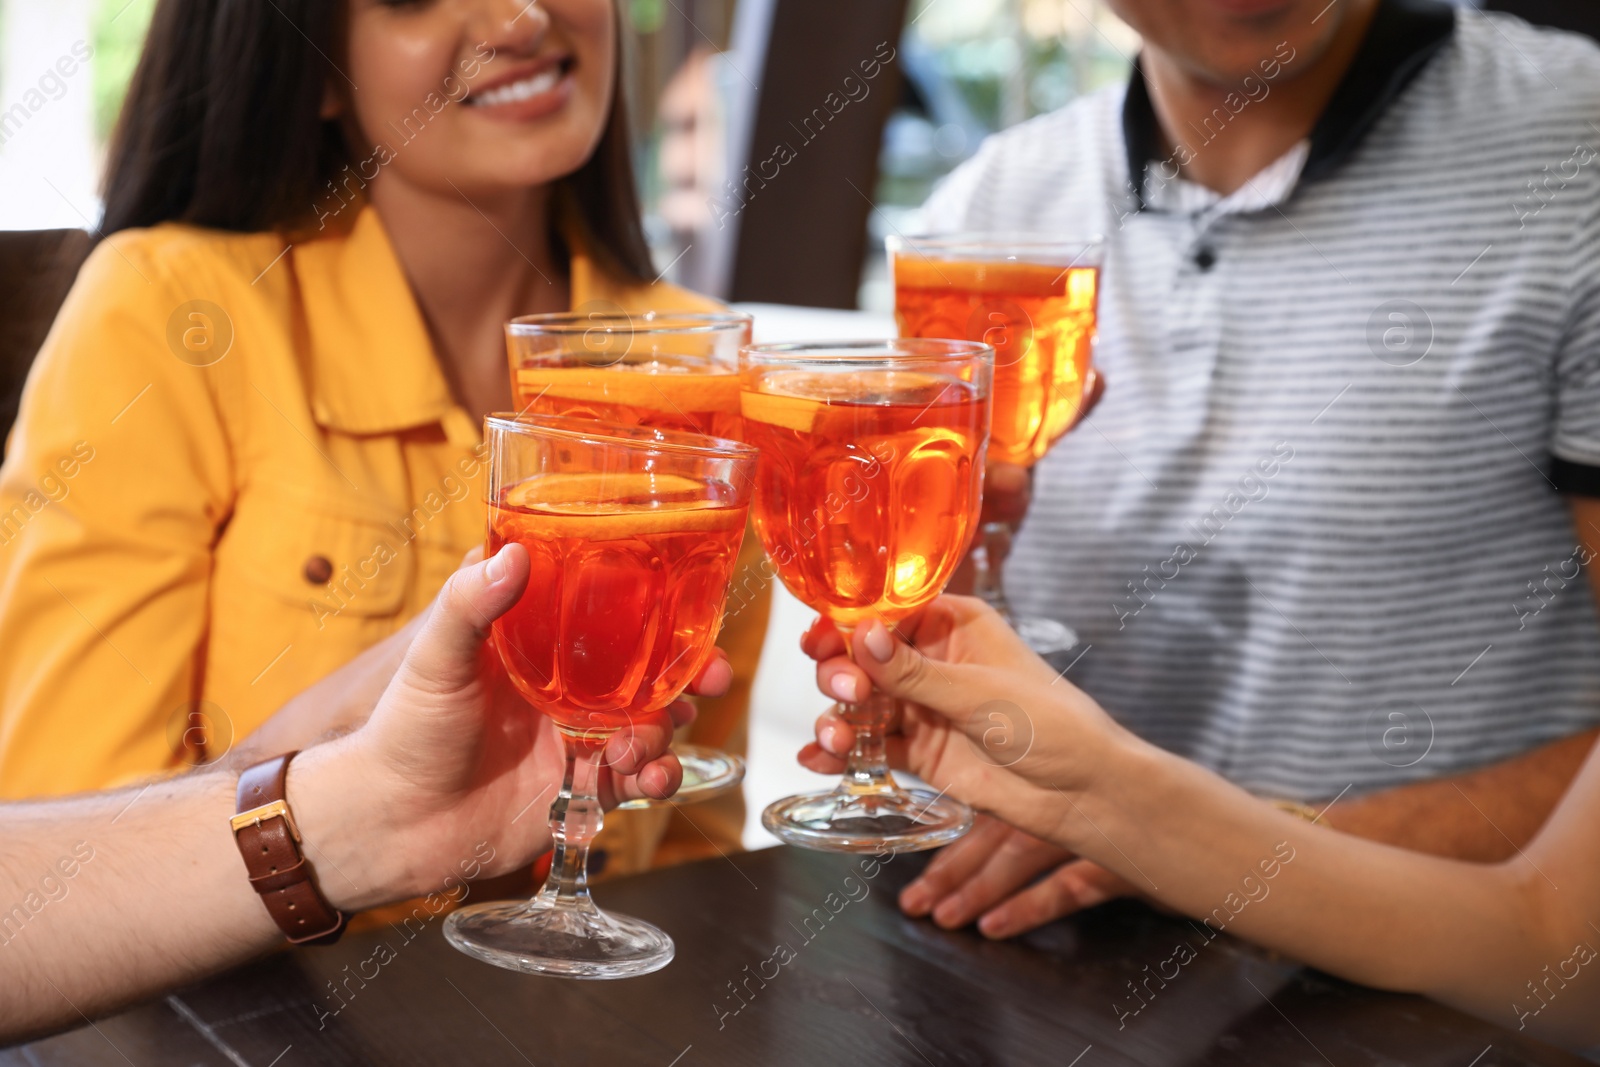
771,163
961,69
778,141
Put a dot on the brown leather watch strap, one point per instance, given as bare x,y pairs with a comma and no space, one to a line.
269,841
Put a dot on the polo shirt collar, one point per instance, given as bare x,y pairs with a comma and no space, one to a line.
1403,37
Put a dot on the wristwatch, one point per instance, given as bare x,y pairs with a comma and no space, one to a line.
268,839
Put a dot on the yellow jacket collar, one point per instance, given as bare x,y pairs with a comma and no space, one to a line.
372,368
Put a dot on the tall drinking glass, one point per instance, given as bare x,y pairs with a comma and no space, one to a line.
1034,298
632,534
665,369
868,491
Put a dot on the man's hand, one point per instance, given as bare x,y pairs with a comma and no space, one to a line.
1007,495
453,756
992,875
344,700
1008,489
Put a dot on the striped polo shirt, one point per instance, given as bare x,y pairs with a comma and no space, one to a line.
1314,536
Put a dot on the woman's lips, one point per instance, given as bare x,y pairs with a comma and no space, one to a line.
532,96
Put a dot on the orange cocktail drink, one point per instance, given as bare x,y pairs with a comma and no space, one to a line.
672,371
868,486
662,369
631,534
1035,299
624,599
1040,319
867,493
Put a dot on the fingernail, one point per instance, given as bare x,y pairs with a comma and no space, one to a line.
993,925
915,899
844,687
948,913
839,739
495,570
878,642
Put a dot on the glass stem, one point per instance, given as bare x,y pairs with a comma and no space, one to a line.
866,771
988,562
575,819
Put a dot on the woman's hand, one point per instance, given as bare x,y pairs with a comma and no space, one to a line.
980,714
983,717
453,758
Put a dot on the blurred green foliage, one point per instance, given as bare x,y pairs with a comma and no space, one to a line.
118,28
646,16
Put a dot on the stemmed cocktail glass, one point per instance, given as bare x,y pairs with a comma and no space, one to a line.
665,369
868,491
1034,298
632,535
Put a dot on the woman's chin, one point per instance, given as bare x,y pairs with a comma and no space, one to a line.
485,172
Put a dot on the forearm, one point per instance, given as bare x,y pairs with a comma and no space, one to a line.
335,705
1467,934
1484,815
156,895
114,897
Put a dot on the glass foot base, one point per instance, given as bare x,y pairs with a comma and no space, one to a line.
560,940
836,821
1044,636
707,773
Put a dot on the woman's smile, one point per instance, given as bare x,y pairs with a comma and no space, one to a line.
530,92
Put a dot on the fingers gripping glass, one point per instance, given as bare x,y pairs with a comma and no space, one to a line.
868,490
663,369
1035,298
632,535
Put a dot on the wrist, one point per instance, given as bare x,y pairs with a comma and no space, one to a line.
345,827
1114,773
1075,747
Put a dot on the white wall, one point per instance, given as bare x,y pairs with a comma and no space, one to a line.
47,148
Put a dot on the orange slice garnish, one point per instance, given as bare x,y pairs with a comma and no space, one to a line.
1000,276
611,506
622,384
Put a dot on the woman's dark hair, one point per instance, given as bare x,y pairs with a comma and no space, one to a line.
222,127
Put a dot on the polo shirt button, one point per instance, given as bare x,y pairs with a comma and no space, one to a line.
1205,258
597,861
318,570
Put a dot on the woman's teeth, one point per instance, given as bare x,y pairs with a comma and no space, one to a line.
542,82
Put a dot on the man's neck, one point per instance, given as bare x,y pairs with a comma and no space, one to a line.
1265,127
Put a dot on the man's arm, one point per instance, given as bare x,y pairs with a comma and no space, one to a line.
1486,816
1489,814
106,899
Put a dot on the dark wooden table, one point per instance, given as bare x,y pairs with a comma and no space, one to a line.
791,957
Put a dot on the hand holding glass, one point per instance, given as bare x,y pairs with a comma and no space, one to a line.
868,490
632,535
